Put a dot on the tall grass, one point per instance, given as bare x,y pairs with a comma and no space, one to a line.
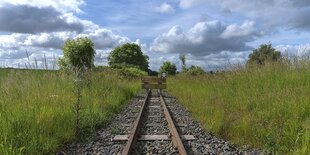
36,107
266,108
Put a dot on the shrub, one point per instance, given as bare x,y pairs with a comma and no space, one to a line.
195,70
265,53
168,67
78,54
132,72
128,55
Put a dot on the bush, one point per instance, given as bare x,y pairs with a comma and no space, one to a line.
132,72
128,55
195,70
168,67
265,53
78,53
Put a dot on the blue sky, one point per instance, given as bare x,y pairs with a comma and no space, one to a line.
212,33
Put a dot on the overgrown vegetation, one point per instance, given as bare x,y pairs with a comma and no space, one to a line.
36,107
168,67
264,54
195,70
79,54
128,55
264,107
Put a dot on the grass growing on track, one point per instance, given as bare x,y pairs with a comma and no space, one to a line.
36,107
268,107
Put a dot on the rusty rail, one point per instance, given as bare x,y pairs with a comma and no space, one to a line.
175,137
134,132
176,140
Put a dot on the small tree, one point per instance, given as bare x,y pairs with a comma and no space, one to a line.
129,54
78,57
183,60
265,53
168,67
78,54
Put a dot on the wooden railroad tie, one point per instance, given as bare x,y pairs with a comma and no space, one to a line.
151,137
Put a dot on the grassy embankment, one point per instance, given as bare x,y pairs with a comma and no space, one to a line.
267,108
36,107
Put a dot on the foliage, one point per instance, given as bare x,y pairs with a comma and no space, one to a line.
129,54
266,108
265,53
36,107
168,67
153,73
78,53
195,70
132,72
183,61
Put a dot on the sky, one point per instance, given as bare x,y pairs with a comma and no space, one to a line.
211,33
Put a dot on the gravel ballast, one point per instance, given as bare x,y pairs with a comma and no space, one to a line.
204,143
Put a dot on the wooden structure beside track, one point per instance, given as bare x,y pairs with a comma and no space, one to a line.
152,82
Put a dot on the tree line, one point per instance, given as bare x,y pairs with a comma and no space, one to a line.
80,53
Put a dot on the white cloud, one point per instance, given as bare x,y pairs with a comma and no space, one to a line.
272,13
61,5
302,50
185,4
205,38
235,31
291,14
44,40
165,8
104,38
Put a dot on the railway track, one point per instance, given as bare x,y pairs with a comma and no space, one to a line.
154,131
154,123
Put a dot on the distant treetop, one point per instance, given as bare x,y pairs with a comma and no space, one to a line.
265,53
129,54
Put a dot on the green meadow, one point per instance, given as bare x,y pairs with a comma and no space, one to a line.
265,107
37,107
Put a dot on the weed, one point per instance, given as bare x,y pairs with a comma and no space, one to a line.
36,107
266,107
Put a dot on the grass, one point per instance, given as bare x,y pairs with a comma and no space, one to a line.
36,107
266,108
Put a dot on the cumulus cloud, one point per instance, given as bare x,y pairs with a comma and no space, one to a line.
165,8
291,14
273,14
60,5
302,50
206,38
104,38
34,58
185,4
42,46
216,61
53,40
235,31
29,19
41,30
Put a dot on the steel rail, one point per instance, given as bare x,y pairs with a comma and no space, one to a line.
132,139
176,140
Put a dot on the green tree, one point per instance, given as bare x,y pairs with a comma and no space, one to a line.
78,53
168,67
129,54
265,53
195,70
183,60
